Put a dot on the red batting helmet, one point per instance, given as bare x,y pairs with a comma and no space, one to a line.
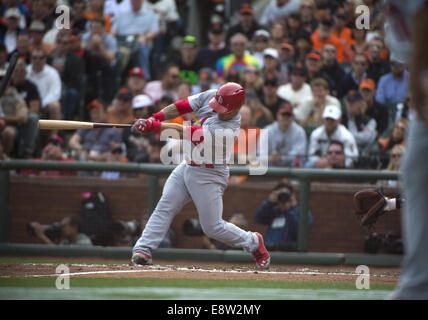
229,97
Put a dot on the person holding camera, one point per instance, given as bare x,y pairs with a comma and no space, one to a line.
67,232
281,212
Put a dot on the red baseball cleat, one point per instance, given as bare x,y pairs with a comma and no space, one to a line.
261,255
140,258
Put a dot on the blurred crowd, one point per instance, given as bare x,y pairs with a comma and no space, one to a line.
329,94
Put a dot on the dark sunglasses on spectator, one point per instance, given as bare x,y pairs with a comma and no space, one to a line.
335,152
38,57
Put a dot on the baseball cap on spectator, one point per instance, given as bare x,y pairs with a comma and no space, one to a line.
271,80
137,71
332,112
56,140
286,45
262,33
141,101
298,69
340,13
189,42
353,96
286,109
313,55
368,84
94,104
326,20
216,28
37,26
13,13
271,52
395,61
206,76
124,94
246,9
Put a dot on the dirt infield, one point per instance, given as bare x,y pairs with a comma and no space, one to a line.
198,270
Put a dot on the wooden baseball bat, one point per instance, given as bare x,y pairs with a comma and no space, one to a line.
74,125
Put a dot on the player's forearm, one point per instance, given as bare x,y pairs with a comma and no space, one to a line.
173,126
173,110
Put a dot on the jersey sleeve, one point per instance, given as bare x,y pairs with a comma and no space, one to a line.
199,100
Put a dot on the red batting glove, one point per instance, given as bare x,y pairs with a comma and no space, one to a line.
146,126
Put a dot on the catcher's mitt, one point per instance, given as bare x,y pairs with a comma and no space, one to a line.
369,206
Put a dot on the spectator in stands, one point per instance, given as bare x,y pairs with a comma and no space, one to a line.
3,57
247,24
48,83
136,144
362,126
100,54
115,155
313,64
309,113
385,144
168,84
336,155
187,62
237,60
281,213
307,14
279,34
78,19
271,63
40,11
15,116
352,80
260,42
70,233
395,161
23,47
252,79
277,10
37,31
340,29
297,89
358,45
136,81
21,6
10,31
262,116
294,25
321,137
52,151
96,143
270,98
377,65
121,109
71,69
286,59
154,148
95,9
302,46
324,34
374,109
27,89
331,67
206,81
287,139
215,49
143,24
393,86
170,25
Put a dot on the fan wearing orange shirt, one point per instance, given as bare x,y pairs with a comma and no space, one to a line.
324,34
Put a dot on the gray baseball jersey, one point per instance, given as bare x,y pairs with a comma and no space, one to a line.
204,185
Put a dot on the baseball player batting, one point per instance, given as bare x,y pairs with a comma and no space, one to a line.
204,183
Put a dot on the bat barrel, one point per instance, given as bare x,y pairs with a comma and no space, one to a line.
74,125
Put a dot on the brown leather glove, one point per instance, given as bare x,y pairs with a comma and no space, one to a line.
369,206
